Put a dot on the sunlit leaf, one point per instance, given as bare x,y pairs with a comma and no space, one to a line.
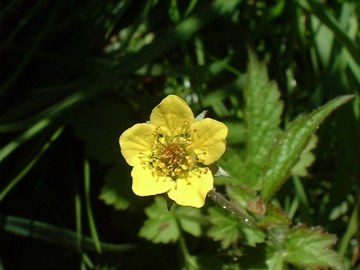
262,113
290,144
190,219
311,248
224,228
161,225
307,158
228,229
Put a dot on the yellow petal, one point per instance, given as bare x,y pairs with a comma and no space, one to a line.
135,141
209,140
193,190
171,115
145,183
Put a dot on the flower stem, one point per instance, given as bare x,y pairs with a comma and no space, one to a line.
189,260
236,210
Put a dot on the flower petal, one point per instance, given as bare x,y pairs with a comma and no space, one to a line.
145,183
171,115
135,141
193,190
209,140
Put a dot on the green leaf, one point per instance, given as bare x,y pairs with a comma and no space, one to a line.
276,261
190,219
240,195
228,229
252,235
273,216
290,144
224,227
237,132
161,225
311,248
262,113
306,158
234,164
328,19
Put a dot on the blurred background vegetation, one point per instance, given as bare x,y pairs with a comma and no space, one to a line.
75,74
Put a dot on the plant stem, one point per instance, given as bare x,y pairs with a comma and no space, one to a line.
233,209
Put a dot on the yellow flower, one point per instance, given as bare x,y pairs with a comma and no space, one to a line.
171,152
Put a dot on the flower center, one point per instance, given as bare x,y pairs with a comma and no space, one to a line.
172,156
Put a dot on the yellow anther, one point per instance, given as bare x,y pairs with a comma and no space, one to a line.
172,155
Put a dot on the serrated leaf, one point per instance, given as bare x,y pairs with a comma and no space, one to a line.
190,219
161,225
228,229
306,158
311,248
273,216
224,228
252,235
290,144
117,188
275,260
262,113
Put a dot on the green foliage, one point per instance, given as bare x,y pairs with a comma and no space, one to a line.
78,73
306,158
273,216
311,248
164,225
229,230
161,225
189,219
305,248
225,228
291,144
262,118
114,192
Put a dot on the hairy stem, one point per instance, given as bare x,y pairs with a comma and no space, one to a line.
233,209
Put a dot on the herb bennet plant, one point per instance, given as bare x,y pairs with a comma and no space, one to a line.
195,134
244,214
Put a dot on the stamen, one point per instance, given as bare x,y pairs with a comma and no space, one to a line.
172,156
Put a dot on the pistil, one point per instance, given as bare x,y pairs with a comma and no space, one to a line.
173,156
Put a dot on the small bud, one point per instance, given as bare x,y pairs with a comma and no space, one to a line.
257,207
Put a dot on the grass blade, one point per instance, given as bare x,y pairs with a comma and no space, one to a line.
92,225
56,235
